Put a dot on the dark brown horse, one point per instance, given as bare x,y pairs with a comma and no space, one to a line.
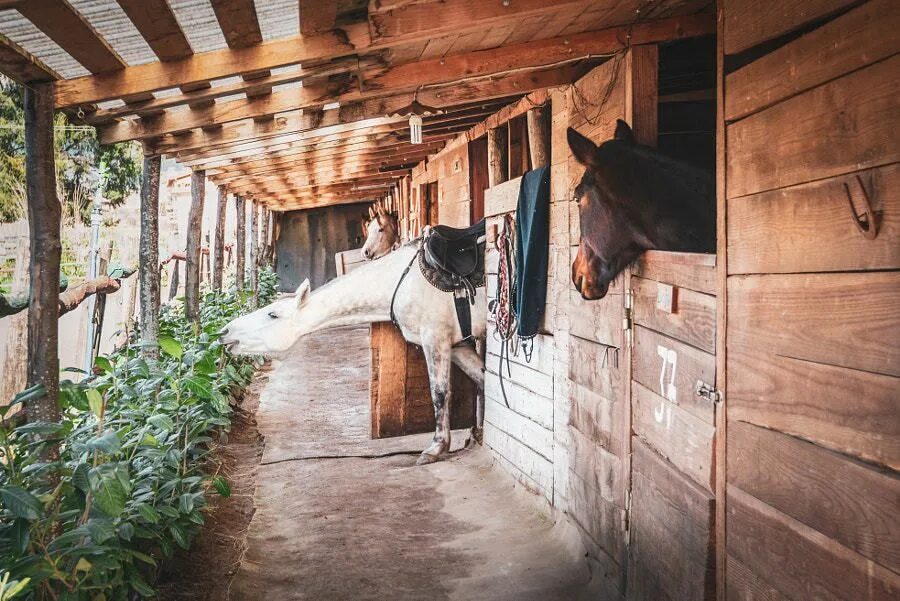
632,199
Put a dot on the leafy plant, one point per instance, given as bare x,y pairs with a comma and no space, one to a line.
134,471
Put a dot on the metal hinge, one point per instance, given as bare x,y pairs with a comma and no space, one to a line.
708,392
628,320
627,518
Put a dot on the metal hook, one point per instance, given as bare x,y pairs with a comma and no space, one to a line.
867,221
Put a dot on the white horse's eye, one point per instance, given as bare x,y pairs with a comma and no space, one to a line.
381,229
273,314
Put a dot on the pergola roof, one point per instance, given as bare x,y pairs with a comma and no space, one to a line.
287,101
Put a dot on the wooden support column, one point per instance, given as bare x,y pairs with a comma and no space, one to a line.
149,258
498,161
539,135
264,237
254,249
192,248
642,92
44,217
219,242
240,241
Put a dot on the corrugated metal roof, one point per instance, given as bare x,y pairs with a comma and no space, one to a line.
199,24
21,31
278,18
111,22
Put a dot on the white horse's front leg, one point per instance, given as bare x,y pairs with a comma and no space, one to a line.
438,359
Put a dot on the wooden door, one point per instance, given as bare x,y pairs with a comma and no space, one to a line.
478,177
812,144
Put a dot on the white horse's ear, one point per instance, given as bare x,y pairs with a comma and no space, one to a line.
302,293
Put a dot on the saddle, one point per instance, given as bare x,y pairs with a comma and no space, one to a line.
453,261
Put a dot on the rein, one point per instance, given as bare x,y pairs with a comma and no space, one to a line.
397,288
504,315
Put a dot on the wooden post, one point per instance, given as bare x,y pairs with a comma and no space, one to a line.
192,248
149,258
218,251
264,237
254,250
240,241
498,165
173,280
44,217
13,374
539,135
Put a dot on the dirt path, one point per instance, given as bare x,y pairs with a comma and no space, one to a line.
334,523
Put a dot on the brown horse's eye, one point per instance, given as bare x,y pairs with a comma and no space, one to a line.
381,229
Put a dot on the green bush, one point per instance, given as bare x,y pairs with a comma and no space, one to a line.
133,475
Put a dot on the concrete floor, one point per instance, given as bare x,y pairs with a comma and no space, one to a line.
340,516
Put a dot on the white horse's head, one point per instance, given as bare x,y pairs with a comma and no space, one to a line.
272,329
382,233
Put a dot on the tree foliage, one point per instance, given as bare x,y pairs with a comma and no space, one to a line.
78,155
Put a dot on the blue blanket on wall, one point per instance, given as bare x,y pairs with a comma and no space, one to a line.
532,250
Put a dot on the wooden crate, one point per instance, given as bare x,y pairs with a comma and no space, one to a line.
348,260
399,389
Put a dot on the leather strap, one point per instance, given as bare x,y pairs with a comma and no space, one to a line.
402,277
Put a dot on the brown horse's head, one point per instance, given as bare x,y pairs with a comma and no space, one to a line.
631,199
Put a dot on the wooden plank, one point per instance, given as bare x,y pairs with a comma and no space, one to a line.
695,271
850,320
603,522
600,471
671,555
536,469
744,584
498,162
541,354
684,440
655,372
72,32
237,19
865,35
526,403
517,147
642,92
502,198
805,399
530,379
157,24
21,66
693,320
843,499
810,227
860,135
597,418
529,433
595,367
317,16
600,320
538,120
795,560
746,26
389,363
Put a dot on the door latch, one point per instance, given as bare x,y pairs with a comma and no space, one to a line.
705,391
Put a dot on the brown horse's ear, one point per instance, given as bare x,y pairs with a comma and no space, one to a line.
623,132
584,150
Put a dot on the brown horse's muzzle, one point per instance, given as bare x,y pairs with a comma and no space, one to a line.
585,275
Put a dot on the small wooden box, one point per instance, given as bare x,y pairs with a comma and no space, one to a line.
399,390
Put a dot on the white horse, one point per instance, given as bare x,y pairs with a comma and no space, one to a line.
425,315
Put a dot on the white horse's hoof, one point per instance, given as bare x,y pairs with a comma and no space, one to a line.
426,458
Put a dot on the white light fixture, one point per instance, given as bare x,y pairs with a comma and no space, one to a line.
414,111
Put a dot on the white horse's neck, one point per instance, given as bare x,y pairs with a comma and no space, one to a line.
360,297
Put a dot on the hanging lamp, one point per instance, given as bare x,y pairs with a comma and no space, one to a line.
414,111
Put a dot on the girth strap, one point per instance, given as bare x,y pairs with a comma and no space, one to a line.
402,277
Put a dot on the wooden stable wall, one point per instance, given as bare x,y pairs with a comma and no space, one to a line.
813,316
450,169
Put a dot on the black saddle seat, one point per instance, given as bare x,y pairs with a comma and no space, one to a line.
455,250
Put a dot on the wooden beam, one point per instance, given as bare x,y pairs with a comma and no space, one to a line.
539,135
158,26
237,19
19,65
72,32
498,163
219,240
315,177
192,248
44,217
317,16
240,241
254,251
149,253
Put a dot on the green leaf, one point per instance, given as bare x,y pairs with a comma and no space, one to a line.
101,530
83,565
170,346
140,586
162,421
80,477
110,496
21,503
104,364
106,443
143,557
149,513
126,531
221,486
20,535
14,588
186,503
95,401
29,394
199,386
179,535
